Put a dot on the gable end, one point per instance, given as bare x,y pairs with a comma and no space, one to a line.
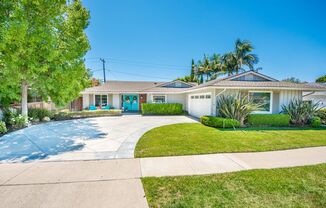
176,84
252,76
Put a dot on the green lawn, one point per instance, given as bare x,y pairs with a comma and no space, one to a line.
195,138
287,187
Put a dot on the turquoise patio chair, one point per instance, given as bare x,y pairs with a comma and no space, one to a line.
106,107
92,107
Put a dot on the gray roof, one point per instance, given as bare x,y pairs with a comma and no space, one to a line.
272,84
122,86
225,82
278,84
134,87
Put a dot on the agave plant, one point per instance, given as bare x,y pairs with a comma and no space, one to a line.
301,112
235,106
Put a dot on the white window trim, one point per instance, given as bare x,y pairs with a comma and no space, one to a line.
199,94
107,98
165,96
271,102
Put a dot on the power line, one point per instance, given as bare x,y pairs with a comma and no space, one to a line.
140,62
156,66
149,63
132,74
139,75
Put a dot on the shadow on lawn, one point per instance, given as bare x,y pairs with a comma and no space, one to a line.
274,129
53,138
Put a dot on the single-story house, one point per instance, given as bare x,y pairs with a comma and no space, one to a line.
200,99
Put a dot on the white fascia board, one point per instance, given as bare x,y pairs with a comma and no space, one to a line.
209,87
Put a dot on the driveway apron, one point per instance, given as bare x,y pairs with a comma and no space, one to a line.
81,139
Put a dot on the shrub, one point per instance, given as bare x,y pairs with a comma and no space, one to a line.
162,109
61,116
84,114
38,113
3,128
235,107
18,121
300,112
94,113
322,115
8,114
269,120
315,122
219,122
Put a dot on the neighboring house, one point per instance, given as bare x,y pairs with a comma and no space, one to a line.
316,97
200,99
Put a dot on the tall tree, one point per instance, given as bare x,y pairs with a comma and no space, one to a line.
192,73
243,55
217,66
229,63
206,67
199,72
42,45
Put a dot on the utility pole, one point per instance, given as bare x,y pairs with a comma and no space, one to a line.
103,61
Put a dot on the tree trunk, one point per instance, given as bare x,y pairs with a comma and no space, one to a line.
24,98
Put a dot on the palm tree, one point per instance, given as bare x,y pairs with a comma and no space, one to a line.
217,65
243,56
207,67
199,72
229,63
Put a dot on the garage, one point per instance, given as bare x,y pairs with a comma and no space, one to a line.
200,104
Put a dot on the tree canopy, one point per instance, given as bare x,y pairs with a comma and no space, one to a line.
229,63
293,80
42,45
321,79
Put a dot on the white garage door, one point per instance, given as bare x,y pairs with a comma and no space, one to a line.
200,104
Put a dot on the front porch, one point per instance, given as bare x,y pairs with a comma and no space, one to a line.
128,102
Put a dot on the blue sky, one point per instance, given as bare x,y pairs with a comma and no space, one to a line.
156,39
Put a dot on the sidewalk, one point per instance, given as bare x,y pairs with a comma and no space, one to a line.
116,183
229,162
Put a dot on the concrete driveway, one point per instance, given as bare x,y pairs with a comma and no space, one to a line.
81,139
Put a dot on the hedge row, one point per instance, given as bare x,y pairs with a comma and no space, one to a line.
219,122
86,114
162,109
269,120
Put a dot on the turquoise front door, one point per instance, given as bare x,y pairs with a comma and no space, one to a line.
130,102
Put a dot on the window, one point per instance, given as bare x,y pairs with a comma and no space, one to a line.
101,100
208,96
159,99
192,97
202,96
196,97
263,100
